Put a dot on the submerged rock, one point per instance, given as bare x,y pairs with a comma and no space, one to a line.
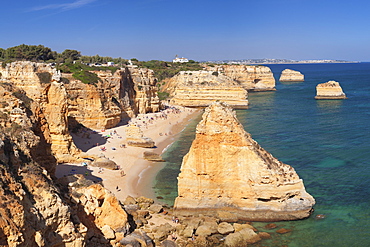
227,175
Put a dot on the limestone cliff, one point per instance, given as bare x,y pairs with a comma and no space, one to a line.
228,175
201,88
288,75
37,86
329,90
32,211
252,78
117,96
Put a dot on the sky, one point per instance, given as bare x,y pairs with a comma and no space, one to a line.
196,29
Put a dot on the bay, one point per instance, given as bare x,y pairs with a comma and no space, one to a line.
326,141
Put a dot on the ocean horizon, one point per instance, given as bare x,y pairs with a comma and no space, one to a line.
325,141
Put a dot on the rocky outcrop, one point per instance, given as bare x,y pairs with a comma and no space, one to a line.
226,174
54,108
201,88
151,156
329,90
38,88
136,138
288,75
29,76
252,78
32,211
117,96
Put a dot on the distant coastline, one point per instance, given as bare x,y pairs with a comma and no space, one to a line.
278,61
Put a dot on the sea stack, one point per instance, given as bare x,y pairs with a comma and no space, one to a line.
288,75
228,175
329,90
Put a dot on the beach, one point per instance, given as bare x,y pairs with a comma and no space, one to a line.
135,175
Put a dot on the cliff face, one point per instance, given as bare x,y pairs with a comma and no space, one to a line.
288,75
226,174
31,209
117,96
329,90
252,78
60,102
36,87
201,88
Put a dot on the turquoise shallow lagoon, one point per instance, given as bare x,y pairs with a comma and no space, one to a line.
326,141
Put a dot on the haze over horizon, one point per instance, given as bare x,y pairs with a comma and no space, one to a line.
197,30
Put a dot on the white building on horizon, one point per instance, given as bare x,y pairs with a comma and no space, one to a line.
180,60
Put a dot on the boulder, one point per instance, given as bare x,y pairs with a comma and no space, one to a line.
105,163
225,228
156,208
168,243
161,232
108,232
135,137
238,227
151,156
240,238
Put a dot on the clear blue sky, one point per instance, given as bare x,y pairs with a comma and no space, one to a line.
196,29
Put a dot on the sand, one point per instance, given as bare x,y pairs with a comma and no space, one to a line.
139,173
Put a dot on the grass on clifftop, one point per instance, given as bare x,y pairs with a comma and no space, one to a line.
82,72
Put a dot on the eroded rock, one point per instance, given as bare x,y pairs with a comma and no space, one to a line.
227,175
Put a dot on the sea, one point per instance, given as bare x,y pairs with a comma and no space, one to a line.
326,141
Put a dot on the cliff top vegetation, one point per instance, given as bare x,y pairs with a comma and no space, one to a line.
163,70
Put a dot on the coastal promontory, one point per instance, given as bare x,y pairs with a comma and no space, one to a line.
250,77
330,90
228,175
288,75
201,88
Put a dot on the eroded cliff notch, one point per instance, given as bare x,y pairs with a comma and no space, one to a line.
228,175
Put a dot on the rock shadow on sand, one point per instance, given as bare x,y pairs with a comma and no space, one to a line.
63,170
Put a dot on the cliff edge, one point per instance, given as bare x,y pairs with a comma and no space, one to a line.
201,88
228,175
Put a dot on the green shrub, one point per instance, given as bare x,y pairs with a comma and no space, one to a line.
44,77
163,95
86,77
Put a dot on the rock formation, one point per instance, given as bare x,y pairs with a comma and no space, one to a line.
201,88
60,102
252,78
226,174
329,90
288,75
136,138
117,96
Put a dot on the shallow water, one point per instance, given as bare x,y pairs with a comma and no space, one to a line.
326,141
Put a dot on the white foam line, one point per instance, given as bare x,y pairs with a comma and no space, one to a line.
141,174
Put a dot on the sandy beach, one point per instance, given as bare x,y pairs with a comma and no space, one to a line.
162,127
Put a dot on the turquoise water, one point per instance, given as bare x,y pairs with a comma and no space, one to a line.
326,141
